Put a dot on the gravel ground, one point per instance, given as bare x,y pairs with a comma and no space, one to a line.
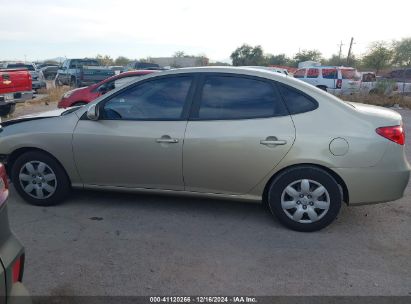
99,243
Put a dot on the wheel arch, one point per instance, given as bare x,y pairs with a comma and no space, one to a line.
322,87
338,179
20,151
76,103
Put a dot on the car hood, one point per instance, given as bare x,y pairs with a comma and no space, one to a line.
42,115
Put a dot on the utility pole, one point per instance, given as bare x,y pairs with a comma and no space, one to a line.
339,53
349,50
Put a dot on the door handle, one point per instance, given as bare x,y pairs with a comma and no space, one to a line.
167,140
272,141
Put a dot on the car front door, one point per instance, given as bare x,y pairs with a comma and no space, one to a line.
138,139
238,131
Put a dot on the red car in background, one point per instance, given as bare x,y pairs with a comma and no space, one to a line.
82,96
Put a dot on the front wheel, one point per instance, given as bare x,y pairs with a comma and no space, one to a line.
305,198
40,179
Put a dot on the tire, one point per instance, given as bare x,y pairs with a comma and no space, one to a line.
74,83
7,109
48,172
321,87
325,208
57,82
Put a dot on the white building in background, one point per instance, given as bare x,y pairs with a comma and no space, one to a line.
179,62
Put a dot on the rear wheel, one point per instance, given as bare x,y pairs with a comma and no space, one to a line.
324,88
7,109
73,82
305,198
40,179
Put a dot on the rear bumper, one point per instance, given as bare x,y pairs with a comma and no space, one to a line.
19,294
372,185
384,182
16,97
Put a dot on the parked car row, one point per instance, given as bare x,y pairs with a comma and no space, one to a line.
81,72
346,80
82,96
335,80
37,77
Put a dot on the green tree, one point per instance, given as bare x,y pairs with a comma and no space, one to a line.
248,55
121,60
308,55
280,59
402,52
379,56
105,60
333,60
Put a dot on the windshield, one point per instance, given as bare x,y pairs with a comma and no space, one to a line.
80,63
350,74
29,67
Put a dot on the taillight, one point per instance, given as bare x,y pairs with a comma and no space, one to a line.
393,133
4,185
339,83
17,269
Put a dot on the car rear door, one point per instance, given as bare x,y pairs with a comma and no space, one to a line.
138,140
238,131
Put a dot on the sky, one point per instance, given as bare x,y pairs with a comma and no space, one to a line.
43,29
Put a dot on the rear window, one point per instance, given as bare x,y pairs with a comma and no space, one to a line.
297,101
329,73
232,97
351,74
80,63
313,73
29,67
368,77
299,73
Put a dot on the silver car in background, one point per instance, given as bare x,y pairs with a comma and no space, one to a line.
237,133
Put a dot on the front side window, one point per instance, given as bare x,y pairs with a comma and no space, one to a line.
296,101
232,97
299,73
158,99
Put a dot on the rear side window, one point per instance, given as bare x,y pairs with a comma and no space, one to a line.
296,101
330,73
313,73
299,73
232,97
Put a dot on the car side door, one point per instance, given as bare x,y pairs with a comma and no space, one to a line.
138,139
239,130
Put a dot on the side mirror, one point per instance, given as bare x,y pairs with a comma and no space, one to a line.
92,112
